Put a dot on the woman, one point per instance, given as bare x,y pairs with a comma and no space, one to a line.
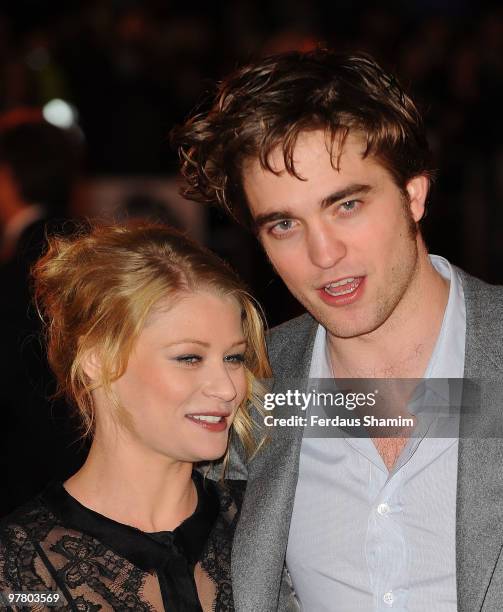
156,342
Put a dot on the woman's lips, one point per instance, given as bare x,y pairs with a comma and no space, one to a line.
342,292
210,422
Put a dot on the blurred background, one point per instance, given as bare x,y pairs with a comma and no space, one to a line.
88,94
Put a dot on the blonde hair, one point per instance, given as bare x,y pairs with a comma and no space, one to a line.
95,289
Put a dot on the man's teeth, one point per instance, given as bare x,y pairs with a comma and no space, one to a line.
345,281
207,419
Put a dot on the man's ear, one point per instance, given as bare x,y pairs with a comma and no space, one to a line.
417,190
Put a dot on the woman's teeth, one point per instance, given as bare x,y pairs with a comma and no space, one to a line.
207,419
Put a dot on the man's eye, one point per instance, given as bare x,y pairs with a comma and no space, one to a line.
238,358
349,206
189,359
282,226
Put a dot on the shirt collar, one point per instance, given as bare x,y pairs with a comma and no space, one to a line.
448,357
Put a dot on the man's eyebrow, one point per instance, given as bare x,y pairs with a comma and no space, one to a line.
279,215
347,192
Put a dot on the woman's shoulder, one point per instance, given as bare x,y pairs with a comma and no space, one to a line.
29,522
20,533
228,492
232,491
215,560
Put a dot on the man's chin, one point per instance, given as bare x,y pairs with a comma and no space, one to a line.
350,328
351,332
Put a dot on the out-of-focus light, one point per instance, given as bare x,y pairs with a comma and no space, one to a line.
60,113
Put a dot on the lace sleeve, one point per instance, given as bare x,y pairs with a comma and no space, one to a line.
38,554
21,567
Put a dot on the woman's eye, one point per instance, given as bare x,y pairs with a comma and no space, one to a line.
237,359
189,359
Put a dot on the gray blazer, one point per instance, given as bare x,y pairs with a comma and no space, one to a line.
259,580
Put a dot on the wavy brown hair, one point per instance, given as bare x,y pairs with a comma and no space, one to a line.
269,103
95,290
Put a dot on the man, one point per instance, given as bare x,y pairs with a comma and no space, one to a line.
326,158
39,166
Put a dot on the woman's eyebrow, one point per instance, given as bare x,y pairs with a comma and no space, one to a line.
202,343
189,341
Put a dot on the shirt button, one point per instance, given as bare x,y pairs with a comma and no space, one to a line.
388,598
383,509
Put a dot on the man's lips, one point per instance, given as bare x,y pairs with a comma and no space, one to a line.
342,291
342,286
212,421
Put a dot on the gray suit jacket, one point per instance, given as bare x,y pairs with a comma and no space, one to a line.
259,582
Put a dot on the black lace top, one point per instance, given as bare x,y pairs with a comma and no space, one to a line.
95,563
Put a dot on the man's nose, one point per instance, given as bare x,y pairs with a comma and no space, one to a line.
325,247
220,384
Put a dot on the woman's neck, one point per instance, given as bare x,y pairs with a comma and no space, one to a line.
134,486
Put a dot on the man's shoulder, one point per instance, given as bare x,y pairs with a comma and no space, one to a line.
293,331
292,341
484,301
484,327
472,283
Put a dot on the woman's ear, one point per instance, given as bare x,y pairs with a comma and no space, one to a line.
91,365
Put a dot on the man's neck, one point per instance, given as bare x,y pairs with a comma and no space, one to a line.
402,346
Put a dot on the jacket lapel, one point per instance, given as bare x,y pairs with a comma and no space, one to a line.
479,520
262,533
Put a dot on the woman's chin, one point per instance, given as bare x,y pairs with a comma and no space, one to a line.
211,455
